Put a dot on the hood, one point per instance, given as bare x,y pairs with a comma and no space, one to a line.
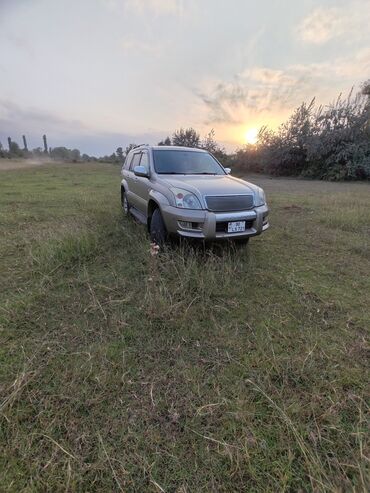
210,184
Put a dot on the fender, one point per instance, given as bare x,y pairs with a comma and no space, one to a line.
124,184
158,197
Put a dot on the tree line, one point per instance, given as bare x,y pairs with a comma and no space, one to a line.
184,137
327,142
59,153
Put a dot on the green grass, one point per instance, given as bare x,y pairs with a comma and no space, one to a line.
213,368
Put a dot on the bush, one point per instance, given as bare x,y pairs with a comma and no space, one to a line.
331,142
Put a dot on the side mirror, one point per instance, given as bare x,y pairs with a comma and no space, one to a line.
228,171
141,171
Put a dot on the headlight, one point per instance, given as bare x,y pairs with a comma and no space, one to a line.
260,197
185,199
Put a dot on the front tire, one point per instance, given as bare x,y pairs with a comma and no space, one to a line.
158,231
124,203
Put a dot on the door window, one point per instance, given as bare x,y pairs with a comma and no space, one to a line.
128,161
145,161
135,161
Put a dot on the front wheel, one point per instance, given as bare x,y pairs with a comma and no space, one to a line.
124,203
158,231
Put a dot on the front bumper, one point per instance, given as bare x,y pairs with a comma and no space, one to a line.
208,225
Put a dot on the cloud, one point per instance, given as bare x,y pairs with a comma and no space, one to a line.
7,7
262,92
156,6
322,25
12,115
256,91
134,46
159,7
8,4
342,70
326,23
16,121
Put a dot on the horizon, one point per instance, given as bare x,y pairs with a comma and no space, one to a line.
83,73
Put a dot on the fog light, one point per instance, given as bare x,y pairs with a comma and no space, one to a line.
186,224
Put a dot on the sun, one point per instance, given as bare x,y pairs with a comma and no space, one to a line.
251,136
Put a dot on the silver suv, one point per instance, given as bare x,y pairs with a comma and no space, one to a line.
187,192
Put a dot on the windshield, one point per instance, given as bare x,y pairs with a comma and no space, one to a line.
186,163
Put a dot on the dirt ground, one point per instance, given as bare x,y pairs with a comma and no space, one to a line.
8,164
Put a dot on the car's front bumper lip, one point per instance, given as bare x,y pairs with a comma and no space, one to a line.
207,222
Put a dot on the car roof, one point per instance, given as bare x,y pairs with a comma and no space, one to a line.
169,148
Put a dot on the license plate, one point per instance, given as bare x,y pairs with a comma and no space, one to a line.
236,227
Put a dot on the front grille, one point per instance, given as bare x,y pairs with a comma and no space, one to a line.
221,226
229,203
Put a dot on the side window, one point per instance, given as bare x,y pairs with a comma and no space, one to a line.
128,161
135,161
145,160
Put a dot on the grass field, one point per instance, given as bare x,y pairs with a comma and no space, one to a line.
201,369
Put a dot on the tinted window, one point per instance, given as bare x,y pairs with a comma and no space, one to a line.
186,163
135,161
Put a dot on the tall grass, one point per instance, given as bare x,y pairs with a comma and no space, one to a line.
199,368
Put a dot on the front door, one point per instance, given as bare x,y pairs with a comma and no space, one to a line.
141,185
131,181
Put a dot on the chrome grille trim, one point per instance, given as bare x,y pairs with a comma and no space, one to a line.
229,203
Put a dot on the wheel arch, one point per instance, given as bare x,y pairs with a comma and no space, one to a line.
124,185
152,206
155,200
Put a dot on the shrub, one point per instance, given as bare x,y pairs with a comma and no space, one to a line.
331,142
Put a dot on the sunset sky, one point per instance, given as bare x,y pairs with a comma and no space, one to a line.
96,74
